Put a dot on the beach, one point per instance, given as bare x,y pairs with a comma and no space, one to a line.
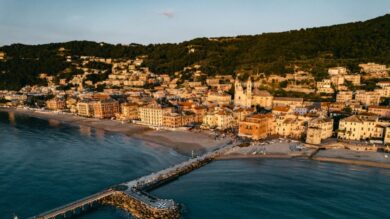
183,142
276,148
366,158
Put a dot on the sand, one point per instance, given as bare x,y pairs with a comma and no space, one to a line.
277,148
357,155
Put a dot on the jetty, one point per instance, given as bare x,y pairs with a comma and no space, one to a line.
133,196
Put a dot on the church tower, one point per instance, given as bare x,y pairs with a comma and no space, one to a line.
248,92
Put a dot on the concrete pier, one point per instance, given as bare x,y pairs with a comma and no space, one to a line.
132,196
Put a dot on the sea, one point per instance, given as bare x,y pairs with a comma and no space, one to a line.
45,164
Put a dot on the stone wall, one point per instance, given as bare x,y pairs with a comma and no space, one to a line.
139,209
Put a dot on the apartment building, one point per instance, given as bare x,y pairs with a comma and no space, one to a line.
291,102
220,119
344,96
368,98
381,111
256,127
361,127
319,129
85,108
104,109
152,114
56,104
176,120
129,111
221,99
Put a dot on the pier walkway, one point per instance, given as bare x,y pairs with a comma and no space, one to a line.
132,196
70,209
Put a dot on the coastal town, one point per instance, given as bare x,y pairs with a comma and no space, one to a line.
348,111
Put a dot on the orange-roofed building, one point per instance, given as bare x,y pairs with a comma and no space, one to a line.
256,127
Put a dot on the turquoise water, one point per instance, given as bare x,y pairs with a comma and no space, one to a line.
282,188
44,164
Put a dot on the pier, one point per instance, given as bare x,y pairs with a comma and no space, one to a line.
133,196
75,207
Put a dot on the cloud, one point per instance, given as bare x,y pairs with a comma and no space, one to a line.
168,14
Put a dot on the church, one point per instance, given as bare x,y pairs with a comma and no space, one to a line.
249,96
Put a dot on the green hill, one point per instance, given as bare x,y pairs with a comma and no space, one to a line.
312,49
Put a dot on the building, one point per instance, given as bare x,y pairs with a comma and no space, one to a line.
291,126
354,79
220,119
319,129
248,97
361,127
372,70
325,86
176,120
85,108
221,99
367,98
262,98
152,114
56,104
344,96
256,127
381,111
291,102
240,114
337,71
104,109
129,111
372,67
2,55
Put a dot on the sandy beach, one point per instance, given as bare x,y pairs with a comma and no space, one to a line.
183,142
277,148
369,158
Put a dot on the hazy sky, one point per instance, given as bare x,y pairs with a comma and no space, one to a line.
159,21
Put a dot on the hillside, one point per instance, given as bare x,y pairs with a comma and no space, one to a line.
312,49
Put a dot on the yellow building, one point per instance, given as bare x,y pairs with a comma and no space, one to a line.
291,102
262,98
176,120
344,96
319,129
220,119
56,104
85,108
325,86
367,98
256,127
361,127
240,114
382,111
129,111
152,114
337,71
221,99
291,126
354,79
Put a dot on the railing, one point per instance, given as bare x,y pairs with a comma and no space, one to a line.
76,204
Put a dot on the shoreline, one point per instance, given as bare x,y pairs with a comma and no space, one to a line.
352,162
183,142
320,159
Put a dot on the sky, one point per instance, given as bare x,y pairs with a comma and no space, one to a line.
162,21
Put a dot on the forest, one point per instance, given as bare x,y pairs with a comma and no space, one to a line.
311,49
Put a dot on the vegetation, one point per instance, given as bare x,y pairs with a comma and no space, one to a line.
313,49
